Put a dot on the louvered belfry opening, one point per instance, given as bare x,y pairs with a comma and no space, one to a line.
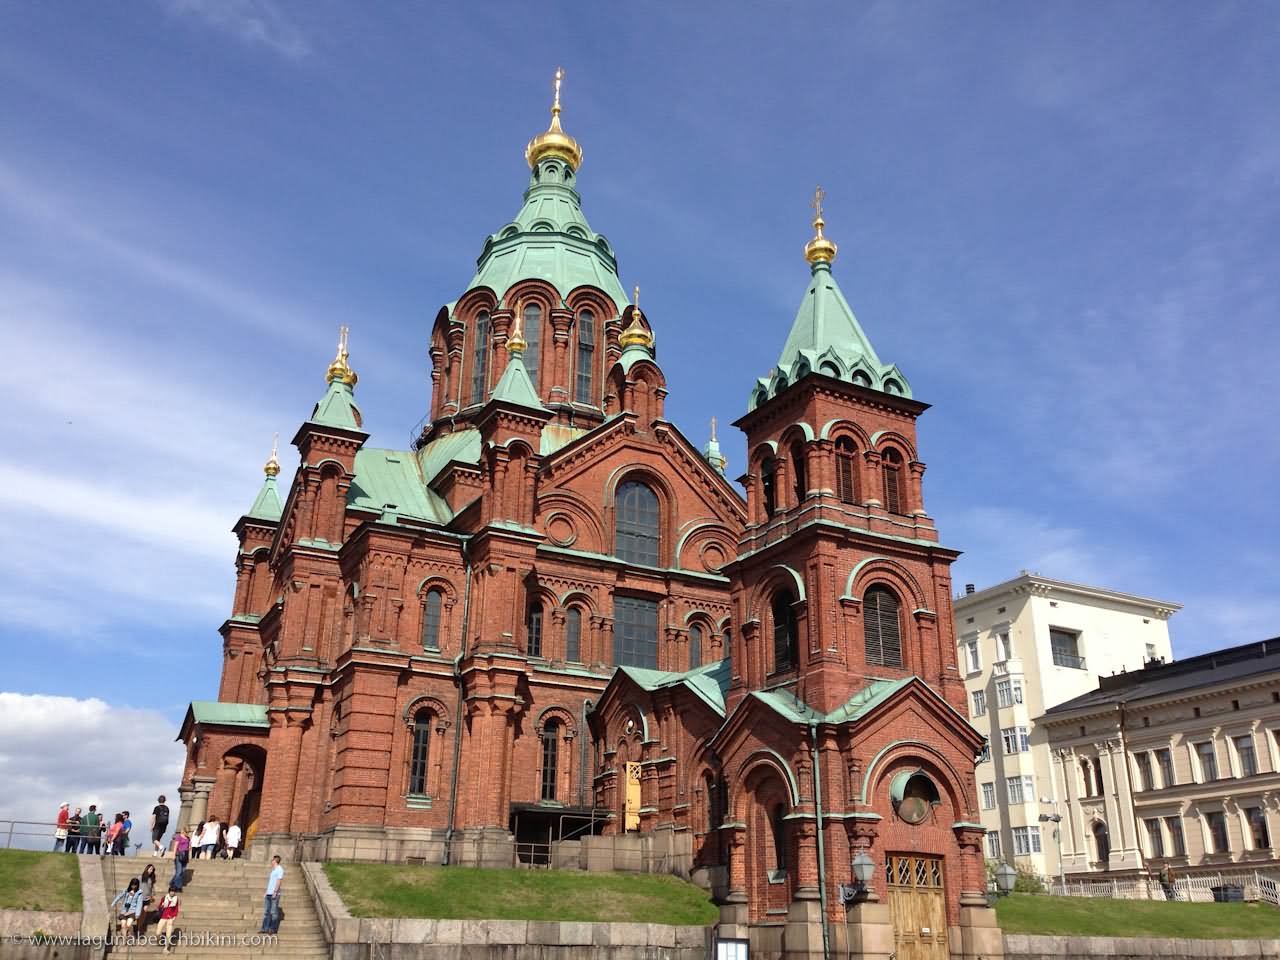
883,628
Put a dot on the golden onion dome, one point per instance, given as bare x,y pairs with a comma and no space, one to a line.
554,142
272,467
819,249
636,333
339,369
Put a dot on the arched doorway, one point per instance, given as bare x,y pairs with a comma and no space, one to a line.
765,807
250,764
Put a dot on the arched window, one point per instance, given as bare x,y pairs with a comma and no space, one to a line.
713,820
779,824
586,357
431,607
728,642
1101,841
533,337
846,471
421,745
784,631
882,628
573,634
550,758
637,524
533,630
1085,778
695,646
891,465
797,471
480,358
767,488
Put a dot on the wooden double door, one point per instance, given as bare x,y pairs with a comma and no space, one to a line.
918,906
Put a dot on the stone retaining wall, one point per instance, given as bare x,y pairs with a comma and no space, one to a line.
1018,946
350,936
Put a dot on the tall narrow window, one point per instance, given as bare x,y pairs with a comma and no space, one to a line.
767,490
480,358
728,643
533,630
418,758
583,376
533,337
881,628
431,620
635,634
891,465
1164,756
779,837
1155,838
1145,780
1248,757
1208,761
573,635
1177,844
709,786
1257,818
550,758
695,646
637,524
846,471
797,471
1217,821
784,631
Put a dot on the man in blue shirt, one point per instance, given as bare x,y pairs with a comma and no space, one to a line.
271,902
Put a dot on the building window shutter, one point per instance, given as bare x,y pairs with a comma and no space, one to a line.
480,358
845,471
418,758
573,635
533,630
533,337
431,620
882,628
586,357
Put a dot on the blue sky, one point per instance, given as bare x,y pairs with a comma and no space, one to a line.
1063,227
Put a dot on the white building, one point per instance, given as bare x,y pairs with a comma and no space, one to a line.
1027,645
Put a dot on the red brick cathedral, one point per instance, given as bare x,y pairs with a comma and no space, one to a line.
553,617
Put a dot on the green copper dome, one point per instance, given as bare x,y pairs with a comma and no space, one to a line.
549,240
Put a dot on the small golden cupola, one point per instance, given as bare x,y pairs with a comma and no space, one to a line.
272,467
819,249
554,142
637,333
340,369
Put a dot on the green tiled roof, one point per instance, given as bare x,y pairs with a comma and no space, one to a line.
228,714
267,506
786,705
826,338
337,408
709,681
514,386
391,477
462,446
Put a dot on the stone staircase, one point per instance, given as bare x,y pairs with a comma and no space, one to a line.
221,905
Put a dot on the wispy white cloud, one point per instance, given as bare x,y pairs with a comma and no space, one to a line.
256,23
81,751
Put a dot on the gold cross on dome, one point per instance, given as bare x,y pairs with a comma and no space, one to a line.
555,105
713,429
636,297
818,196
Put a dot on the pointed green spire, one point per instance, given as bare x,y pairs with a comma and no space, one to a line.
337,408
267,506
515,386
825,336
711,452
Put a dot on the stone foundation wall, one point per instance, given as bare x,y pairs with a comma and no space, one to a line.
350,937
1028,947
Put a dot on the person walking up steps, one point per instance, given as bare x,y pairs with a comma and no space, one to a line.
271,902
73,832
170,904
233,841
209,839
181,854
159,824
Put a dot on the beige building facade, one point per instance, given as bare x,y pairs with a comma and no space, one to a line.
1025,646
1177,763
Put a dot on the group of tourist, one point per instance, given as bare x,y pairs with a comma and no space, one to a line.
92,832
139,907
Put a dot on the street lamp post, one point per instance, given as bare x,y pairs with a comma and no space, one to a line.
1056,819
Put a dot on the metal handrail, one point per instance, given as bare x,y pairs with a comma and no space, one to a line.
47,829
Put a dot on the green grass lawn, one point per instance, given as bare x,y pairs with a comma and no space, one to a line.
39,881
384,890
1097,917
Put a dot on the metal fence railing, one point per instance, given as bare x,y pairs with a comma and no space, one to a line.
42,835
1198,888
